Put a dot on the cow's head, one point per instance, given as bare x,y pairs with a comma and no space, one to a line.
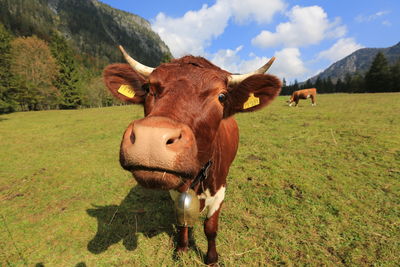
184,103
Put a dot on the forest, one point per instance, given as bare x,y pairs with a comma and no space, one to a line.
40,75
381,77
53,52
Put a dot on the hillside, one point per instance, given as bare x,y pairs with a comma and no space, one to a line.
93,28
52,52
358,62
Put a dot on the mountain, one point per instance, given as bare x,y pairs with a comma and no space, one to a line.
358,62
93,28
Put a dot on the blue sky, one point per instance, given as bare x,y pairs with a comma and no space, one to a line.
241,35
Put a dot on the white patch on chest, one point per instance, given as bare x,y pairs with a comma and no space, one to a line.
308,96
213,202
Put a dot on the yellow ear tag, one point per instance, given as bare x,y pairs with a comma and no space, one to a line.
126,90
251,102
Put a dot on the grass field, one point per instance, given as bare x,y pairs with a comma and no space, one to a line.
310,186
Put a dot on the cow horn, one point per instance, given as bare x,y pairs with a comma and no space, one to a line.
237,78
140,68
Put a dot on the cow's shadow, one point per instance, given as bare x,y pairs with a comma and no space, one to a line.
142,211
145,211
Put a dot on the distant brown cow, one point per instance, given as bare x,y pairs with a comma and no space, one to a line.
188,130
303,94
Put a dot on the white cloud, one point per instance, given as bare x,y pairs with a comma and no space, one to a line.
228,59
306,26
342,48
259,10
336,29
288,63
191,33
366,18
194,31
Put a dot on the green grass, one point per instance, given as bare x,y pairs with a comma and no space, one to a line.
310,186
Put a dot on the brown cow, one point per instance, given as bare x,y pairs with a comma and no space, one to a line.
189,105
303,94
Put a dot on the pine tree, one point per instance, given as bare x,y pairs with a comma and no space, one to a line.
296,85
377,77
318,85
339,86
283,82
67,80
308,84
7,103
395,77
356,84
330,87
347,83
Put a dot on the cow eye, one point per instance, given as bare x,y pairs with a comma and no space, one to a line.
222,98
146,88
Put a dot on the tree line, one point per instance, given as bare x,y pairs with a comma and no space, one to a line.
381,77
38,75
41,74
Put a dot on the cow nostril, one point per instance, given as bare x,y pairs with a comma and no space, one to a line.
132,137
170,141
173,140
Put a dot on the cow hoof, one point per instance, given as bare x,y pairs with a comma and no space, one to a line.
215,264
181,250
212,260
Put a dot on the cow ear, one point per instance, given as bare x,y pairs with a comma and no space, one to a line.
252,94
124,83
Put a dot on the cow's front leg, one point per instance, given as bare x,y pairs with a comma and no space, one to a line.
183,239
210,229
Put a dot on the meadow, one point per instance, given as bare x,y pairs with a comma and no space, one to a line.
310,186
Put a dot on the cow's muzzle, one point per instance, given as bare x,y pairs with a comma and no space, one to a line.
159,152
